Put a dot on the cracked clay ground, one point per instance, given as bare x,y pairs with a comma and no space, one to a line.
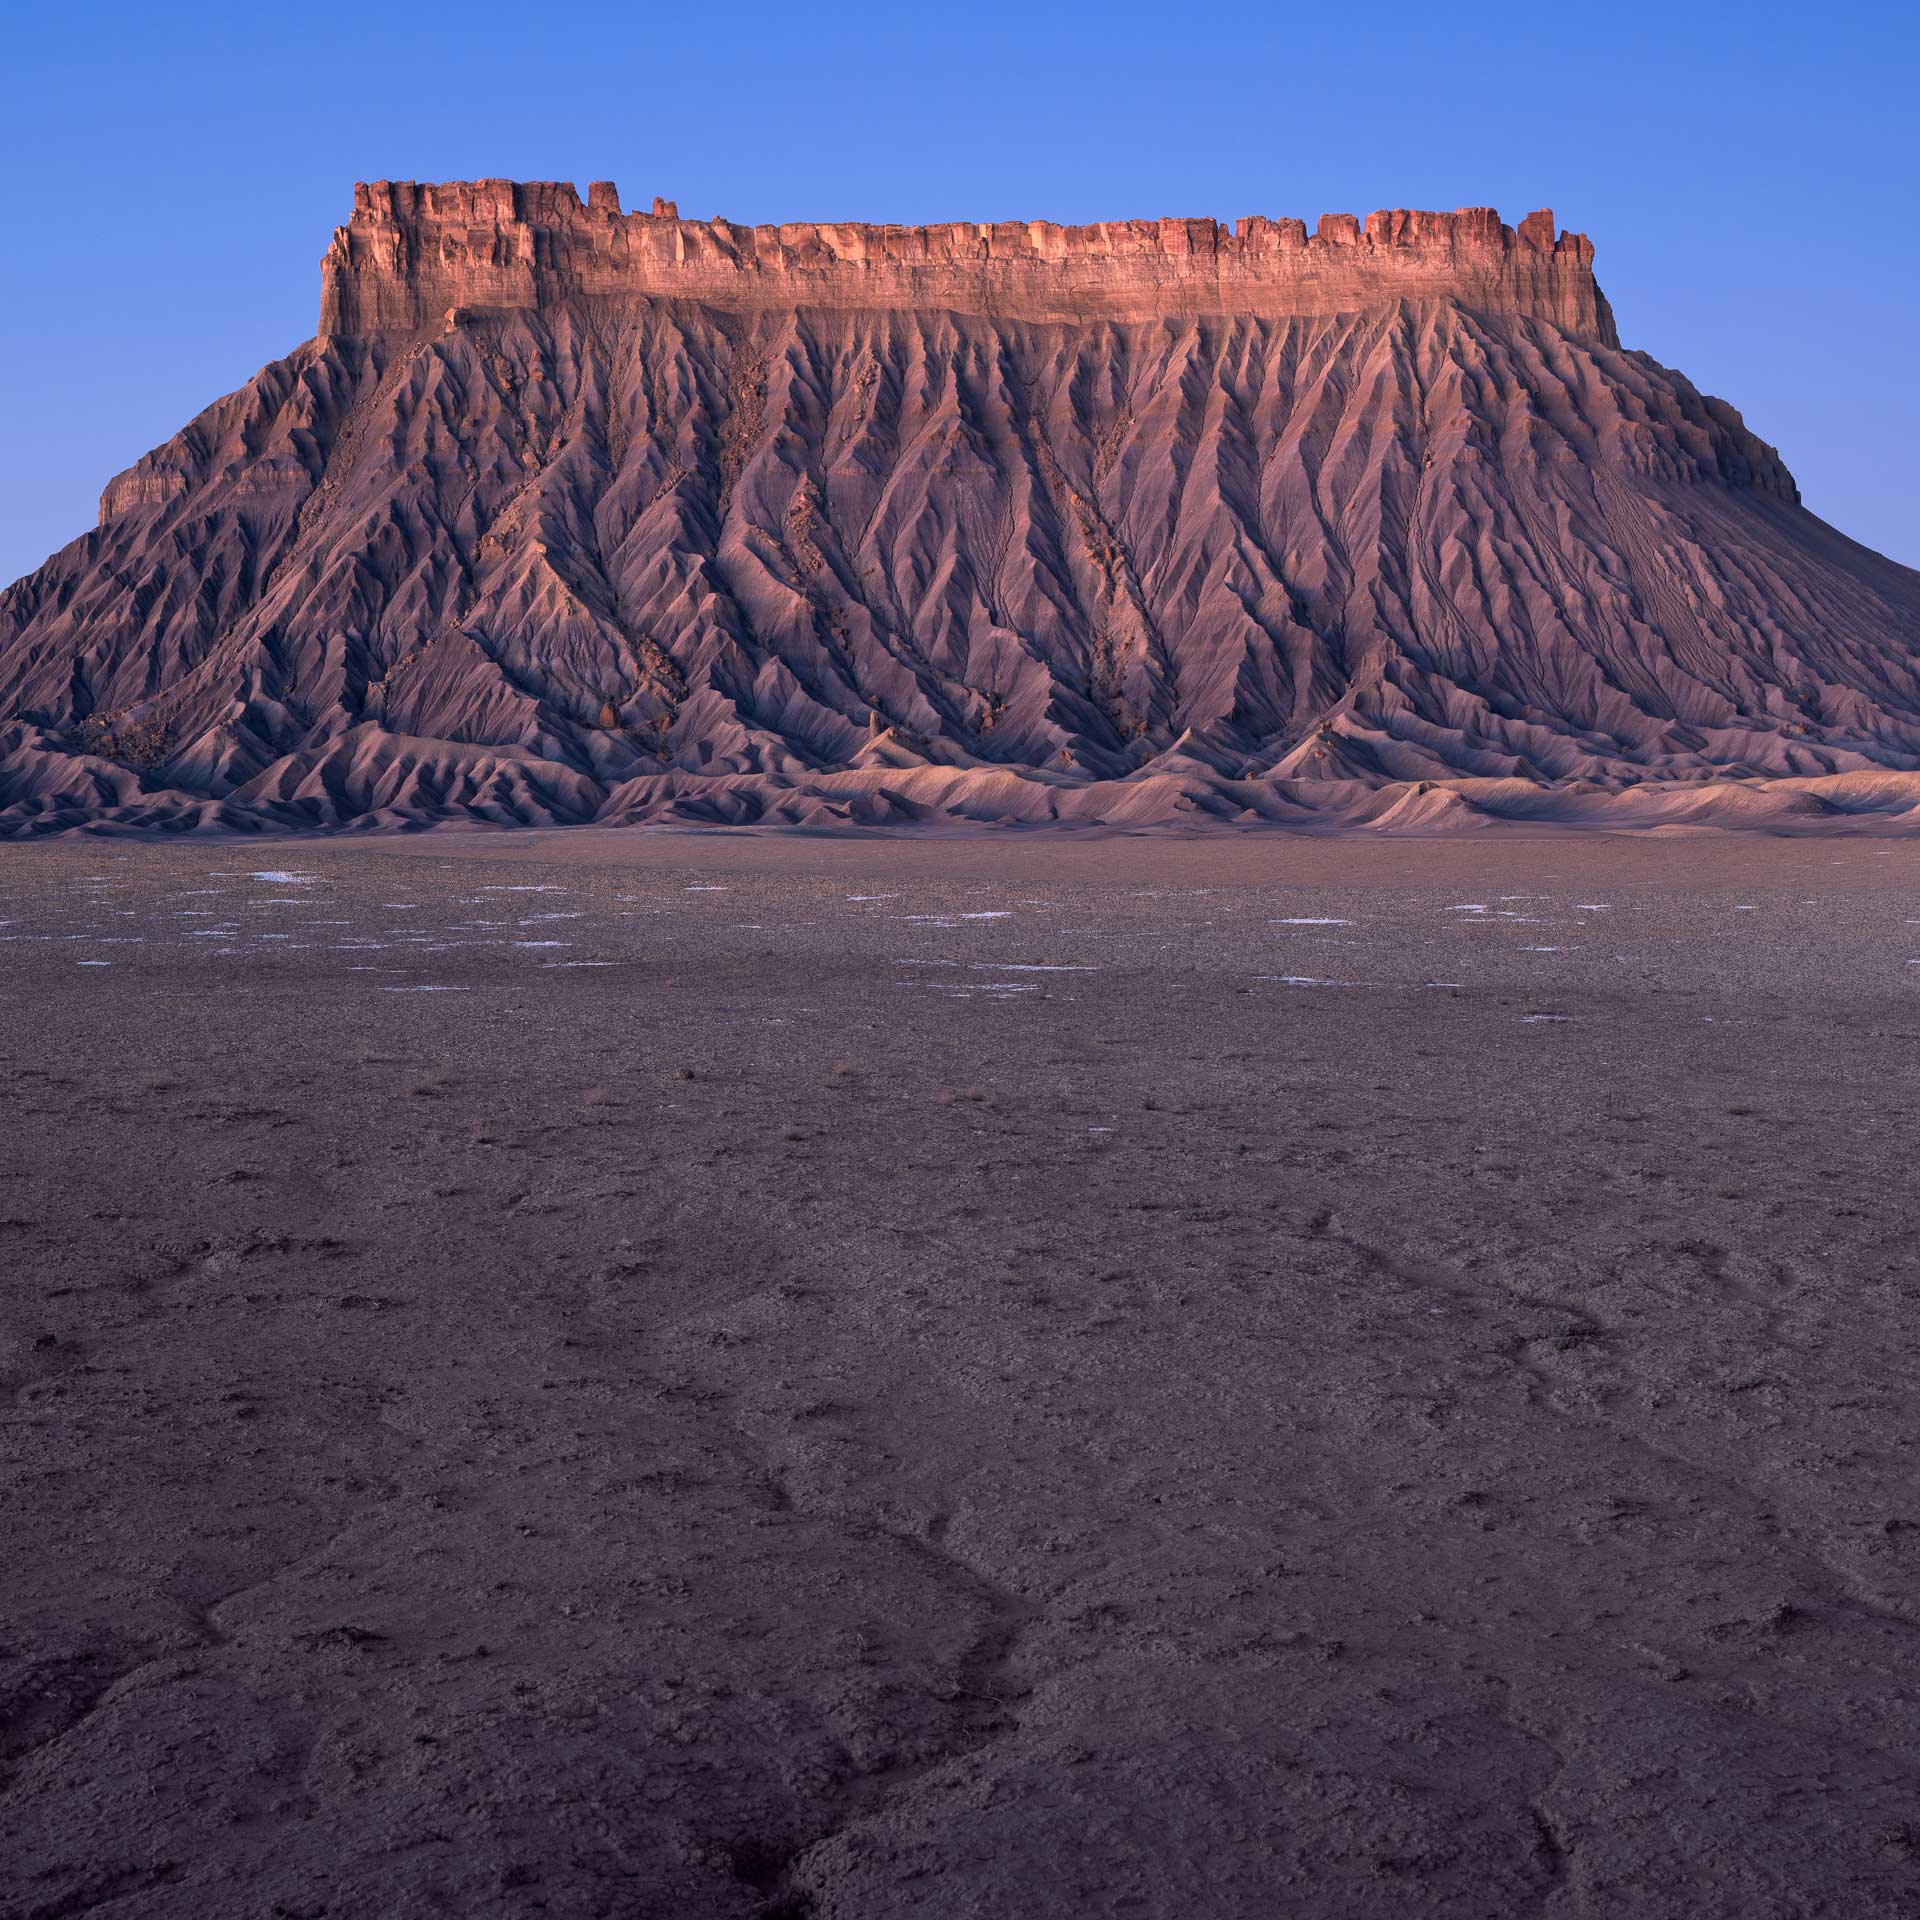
697,1375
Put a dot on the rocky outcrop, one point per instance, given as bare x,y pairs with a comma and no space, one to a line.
412,253
517,539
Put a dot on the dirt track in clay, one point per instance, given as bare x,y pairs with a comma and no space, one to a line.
692,1374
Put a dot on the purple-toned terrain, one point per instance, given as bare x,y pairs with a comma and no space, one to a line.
747,1377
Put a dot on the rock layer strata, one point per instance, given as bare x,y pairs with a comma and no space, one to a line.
410,253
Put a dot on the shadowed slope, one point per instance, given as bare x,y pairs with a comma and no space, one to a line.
618,560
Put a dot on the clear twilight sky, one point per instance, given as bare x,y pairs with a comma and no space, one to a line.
1748,172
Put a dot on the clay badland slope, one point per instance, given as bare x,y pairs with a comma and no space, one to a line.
567,514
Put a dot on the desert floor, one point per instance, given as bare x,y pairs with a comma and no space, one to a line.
696,1374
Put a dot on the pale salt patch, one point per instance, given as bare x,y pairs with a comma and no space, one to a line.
427,989
999,913
551,965
708,888
1309,922
1301,980
533,919
274,877
1592,906
93,963
547,888
1543,949
540,943
1746,909
873,896
1535,1019
1440,983
1029,966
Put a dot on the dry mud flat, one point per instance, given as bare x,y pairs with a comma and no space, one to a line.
669,1374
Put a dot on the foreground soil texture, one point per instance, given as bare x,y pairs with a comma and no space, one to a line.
658,1373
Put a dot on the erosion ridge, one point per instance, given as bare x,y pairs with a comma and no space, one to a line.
411,252
573,515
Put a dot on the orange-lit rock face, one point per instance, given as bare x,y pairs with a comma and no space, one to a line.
411,252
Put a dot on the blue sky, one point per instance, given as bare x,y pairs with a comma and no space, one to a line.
1747,173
